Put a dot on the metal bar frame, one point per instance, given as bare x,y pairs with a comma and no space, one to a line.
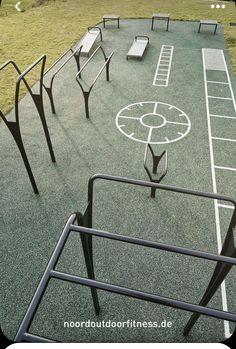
48,89
226,259
156,160
106,64
161,18
14,126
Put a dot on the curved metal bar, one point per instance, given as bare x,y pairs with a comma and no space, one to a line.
58,60
106,64
143,183
49,89
101,70
100,31
22,78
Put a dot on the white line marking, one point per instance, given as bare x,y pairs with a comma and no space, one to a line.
131,134
175,122
228,98
213,175
122,125
181,134
230,86
217,82
155,108
167,139
223,116
224,139
128,117
149,135
163,57
226,206
225,168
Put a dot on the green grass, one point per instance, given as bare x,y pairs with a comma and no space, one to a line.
54,26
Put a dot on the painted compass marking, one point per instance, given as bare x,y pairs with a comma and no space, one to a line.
153,122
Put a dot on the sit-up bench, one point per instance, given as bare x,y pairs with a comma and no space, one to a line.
138,47
89,39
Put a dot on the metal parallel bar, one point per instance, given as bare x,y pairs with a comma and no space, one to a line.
153,244
34,304
145,296
99,47
4,65
66,61
150,185
101,70
159,186
28,337
58,60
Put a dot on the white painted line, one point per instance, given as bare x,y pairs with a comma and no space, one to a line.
228,98
217,82
216,208
122,125
167,139
181,134
149,135
165,57
230,86
226,206
225,168
224,139
155,108
128,117
131,134
223,116
175,122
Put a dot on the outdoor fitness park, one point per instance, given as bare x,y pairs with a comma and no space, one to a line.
118,186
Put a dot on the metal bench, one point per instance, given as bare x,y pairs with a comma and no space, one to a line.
160,16
138,47
111,18
207,22
89,39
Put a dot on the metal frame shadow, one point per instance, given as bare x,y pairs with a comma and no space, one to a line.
14,126
155,162
225,260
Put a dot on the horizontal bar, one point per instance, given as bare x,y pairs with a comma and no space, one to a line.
217,82
145,296
53,65
35,339
154,244
22,75
87,61
67,60
162,187
104,64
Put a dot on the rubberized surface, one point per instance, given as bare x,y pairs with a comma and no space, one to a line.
31,225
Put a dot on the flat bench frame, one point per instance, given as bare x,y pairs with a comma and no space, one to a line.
155,17
225,260
135,42
83,40
205,23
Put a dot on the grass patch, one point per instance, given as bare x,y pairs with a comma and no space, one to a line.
57,24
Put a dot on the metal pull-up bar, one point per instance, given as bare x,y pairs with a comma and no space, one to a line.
14,126
226,259
106,64
76,55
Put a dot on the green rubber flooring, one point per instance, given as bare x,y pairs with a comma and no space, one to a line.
30,225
